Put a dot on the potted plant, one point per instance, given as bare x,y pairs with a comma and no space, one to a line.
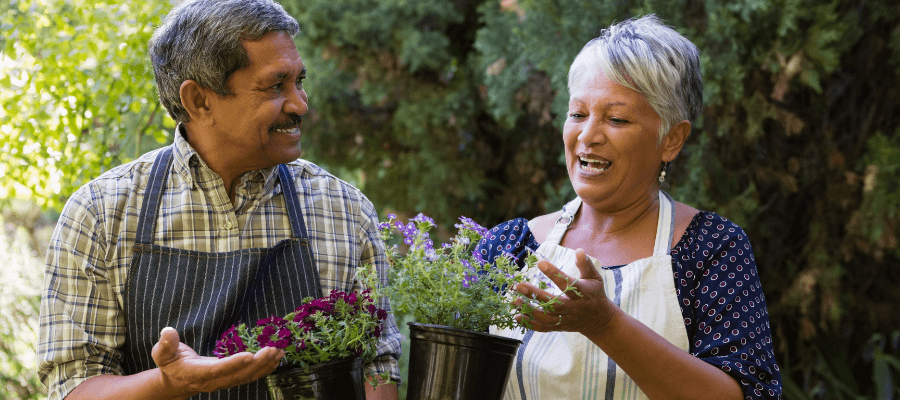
455,296
326,343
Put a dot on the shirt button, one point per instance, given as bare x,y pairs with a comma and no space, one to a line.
228,224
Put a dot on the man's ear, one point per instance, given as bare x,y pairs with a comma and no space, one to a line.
674,141
195,99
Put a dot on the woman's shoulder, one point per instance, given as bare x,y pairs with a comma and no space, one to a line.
541,226
710,223
708,232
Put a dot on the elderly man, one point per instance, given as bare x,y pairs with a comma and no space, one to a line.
152,260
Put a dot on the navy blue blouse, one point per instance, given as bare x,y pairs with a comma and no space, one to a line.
719,292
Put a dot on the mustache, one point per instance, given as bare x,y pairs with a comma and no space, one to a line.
292,122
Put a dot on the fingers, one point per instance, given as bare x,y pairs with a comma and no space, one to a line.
586,266
166,350
559,278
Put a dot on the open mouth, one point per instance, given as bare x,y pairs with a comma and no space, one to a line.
593,165
292,129
292,126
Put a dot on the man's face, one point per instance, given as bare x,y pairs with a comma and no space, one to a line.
259,125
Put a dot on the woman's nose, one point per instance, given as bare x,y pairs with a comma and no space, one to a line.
592,132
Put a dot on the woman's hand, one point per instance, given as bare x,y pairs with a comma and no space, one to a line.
584,308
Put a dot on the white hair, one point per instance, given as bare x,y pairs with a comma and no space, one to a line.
650,58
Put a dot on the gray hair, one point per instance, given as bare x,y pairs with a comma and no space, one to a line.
200,40
651,58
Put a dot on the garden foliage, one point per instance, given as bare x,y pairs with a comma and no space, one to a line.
455,107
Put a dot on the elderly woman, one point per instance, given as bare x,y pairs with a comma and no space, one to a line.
666,300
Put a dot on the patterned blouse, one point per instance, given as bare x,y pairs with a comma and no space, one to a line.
719,292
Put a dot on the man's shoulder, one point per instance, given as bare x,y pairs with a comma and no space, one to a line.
307,170
120,180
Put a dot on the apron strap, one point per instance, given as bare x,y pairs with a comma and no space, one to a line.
563,222
665,228
291,202
156,185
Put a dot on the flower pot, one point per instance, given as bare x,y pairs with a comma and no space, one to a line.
455,364
333,380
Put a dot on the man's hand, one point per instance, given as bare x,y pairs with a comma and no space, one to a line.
183,370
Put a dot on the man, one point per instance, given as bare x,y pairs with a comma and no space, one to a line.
154,259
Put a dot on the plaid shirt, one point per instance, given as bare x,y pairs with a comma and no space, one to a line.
82,325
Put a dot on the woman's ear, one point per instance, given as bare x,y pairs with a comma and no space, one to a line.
195,99
674,141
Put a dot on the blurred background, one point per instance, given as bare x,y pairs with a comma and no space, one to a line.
455,107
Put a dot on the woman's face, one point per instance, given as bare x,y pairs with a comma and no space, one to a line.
610,137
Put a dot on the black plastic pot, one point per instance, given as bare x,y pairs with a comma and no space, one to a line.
455,364
333,380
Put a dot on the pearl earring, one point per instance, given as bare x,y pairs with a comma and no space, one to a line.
662,174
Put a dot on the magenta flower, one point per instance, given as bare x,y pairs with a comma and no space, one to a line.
230,344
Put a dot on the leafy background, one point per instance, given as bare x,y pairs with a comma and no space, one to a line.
455,107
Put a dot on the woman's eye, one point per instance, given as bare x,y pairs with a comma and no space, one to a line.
575,115
618,121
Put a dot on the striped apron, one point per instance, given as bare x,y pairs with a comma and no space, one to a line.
202,294
566,365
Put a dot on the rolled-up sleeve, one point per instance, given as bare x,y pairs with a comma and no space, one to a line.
81,323
373,253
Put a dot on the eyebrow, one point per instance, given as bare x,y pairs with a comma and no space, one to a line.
281,75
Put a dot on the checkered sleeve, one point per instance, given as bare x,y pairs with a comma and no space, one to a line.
81,324
373,253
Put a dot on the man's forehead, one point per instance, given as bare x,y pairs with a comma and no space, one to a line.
274,53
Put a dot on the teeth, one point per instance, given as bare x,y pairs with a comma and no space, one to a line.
586,164
289,130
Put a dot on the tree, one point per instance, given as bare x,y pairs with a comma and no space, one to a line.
78,95
455,107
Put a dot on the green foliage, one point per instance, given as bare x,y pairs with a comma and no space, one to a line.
454,107
338,326
453,286
19,301
77,92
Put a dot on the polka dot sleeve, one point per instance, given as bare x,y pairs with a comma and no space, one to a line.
723,305
511,237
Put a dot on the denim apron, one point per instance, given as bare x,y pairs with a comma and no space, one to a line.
203,294
566,365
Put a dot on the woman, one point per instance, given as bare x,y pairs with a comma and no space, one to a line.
666,301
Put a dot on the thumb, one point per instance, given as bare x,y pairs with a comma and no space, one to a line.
586,266
166,350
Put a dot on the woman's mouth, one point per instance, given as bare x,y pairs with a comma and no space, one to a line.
593,165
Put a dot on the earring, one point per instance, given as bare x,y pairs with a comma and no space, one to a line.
662,174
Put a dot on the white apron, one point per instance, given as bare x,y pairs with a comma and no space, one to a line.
566,365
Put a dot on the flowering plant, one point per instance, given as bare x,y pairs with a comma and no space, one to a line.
337,326
453,285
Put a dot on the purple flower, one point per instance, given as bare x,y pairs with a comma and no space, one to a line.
230,343
422,218
468,223
477,255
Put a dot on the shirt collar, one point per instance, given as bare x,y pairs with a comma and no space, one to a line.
185,156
